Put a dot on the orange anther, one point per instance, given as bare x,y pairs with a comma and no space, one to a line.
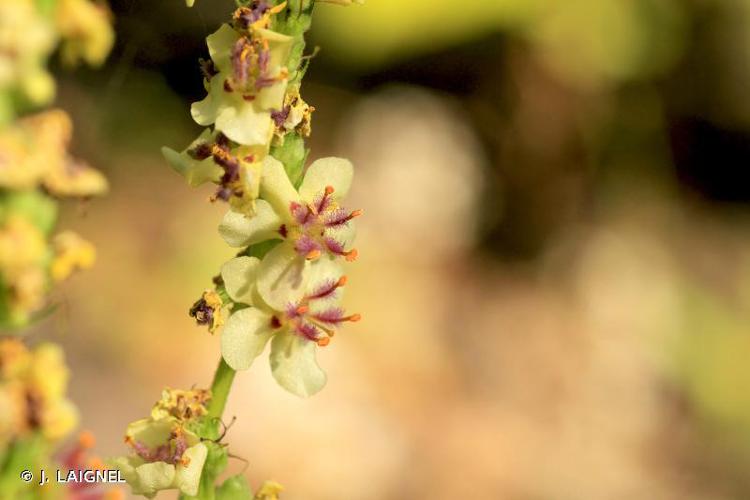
302,309
356,213
329,190
354,318
342,281
323,341
313,254
351,255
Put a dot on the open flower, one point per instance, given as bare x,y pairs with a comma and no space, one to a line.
247,80
214,158
296,309
166,456
310,221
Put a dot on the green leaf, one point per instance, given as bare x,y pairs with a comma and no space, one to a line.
37,208
6,108
293,155
234,488
207,428
260,250
46,7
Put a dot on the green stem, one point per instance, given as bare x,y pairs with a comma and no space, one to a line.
223,378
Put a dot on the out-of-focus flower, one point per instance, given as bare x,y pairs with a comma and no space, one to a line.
72,253
270,490
214,158
28,36
78,458
86,31
32,389
310,220
246,81
35,153
26,40
23,257
166,456
296,309
345,3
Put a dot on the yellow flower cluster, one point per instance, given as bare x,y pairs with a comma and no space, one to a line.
23,257
34,152
32,392
28,35
34,163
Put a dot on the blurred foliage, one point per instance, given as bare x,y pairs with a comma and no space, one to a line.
584,41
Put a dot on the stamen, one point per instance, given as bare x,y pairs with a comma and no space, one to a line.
323,341
327,289
351,255
340,217
279,117
308,247
335,316
313,254
301,213
201,151
323,201
308,331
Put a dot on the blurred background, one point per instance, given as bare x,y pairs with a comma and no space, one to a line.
554,268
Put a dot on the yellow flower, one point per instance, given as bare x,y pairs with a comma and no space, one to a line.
181,404
35,152
23,282
21,244
86,30
270,490
26,40
71,254
32,392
